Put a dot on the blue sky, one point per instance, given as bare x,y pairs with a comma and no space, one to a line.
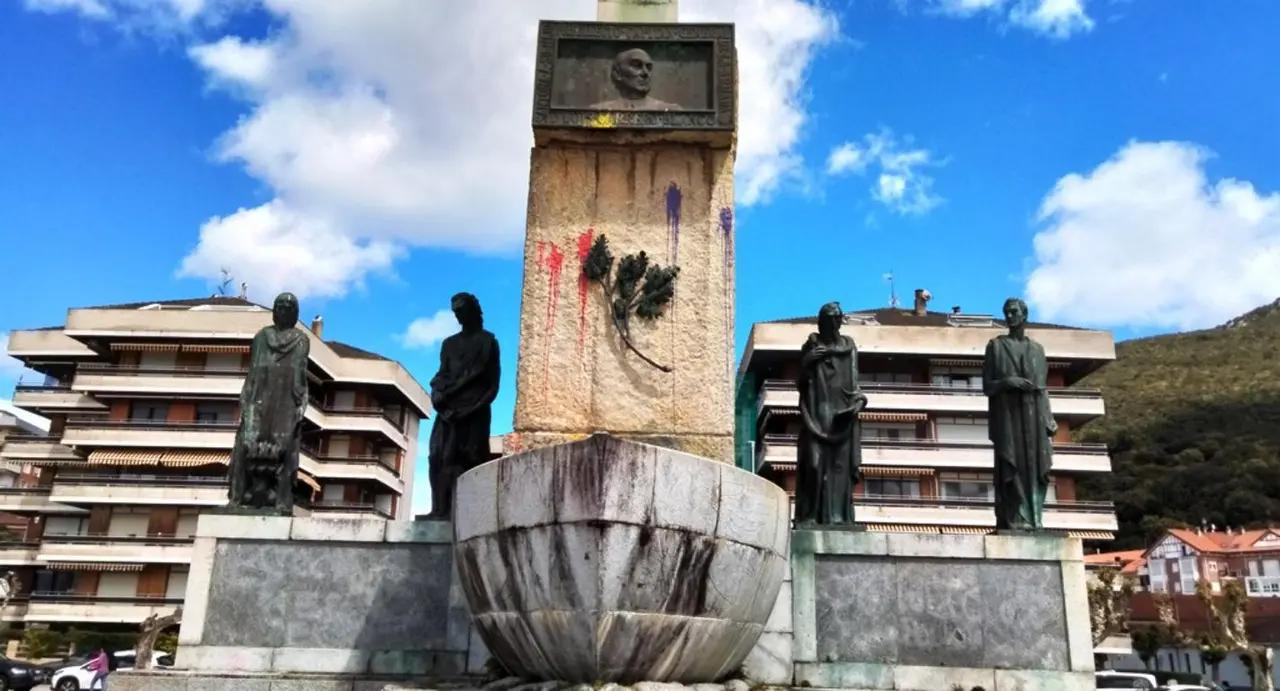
1112,160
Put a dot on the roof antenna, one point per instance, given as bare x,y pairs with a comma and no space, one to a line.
893,293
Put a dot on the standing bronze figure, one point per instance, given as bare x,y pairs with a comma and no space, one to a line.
462,393
829,455
1015,379
264,462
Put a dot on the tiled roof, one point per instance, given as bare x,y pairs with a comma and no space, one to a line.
1221,541
889,316
1129,561
353,352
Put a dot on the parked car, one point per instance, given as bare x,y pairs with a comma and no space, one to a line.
51,668
19,676
76,677
1112,679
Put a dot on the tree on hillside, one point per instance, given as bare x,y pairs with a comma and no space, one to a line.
1109,593
1226,630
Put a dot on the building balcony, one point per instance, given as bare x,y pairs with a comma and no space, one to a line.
102,489
1073,516
54,398
373,419
112,549
149,433
36,448
70,608
1262,586
136,380
368,467
18,553
779,451
1077,405
343,509
32,500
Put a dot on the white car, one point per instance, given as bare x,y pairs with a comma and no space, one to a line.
79,676
1111,679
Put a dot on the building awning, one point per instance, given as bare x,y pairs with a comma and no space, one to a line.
1091,534
125,457
191,459
91,566
197,348
893,417
309,481
892,471
146,347
965,530
900,528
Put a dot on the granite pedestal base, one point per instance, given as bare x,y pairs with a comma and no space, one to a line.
929,612
347,599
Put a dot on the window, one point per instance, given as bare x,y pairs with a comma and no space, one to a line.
54,582
149,410
889,431
214,412
967,486
892,487
956,377
884,378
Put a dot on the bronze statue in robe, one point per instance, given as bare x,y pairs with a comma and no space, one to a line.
264,462
462,394
829,453
1021,427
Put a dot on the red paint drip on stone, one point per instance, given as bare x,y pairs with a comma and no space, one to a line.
553,261
584,248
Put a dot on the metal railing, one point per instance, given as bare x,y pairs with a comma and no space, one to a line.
99,539
357,411
25,490
72,598
940,389
358,459
925,443
139,480
967,503
46,386
153,371
99,422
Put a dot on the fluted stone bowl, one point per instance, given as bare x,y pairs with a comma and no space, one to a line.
614,561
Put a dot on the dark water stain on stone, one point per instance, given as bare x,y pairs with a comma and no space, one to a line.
692,576
469,573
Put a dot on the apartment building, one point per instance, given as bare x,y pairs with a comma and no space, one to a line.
142,401
927,461
1184,556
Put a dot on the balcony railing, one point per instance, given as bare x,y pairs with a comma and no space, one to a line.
100,422
924,443
362,458
139,480
47,386
25,491
152,371
347,507
967,503
82,539
361,411
74,599
884,387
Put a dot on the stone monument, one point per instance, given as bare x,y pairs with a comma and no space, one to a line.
634,133
264,461
1021,426
462,394
829,452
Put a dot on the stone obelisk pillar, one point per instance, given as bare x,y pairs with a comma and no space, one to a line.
668,193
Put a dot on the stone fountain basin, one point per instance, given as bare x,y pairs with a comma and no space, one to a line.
608,560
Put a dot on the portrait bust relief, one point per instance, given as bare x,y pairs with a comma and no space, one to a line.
631,74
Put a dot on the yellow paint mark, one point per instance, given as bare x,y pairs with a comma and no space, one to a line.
601,121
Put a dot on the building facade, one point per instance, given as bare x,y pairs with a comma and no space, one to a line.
1176,562
927,461
143,404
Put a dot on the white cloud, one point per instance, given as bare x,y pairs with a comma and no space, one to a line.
399,123
900,183
427,332
1146,239
1058,19
153,15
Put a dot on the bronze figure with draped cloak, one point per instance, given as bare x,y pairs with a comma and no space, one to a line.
264,461
1021,427
462,393
829,452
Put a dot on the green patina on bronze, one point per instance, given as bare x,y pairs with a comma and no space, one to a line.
1015,379
264,462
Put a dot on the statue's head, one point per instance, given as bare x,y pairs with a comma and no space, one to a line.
630,73
830,317
1015,313
284,313
466,307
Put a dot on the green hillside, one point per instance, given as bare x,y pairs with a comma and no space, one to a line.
1193,425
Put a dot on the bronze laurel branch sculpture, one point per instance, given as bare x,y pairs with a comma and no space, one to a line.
637,288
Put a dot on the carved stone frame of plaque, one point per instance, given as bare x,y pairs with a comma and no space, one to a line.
714,117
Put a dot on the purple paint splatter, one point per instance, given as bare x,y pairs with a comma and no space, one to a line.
674,200
726,230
